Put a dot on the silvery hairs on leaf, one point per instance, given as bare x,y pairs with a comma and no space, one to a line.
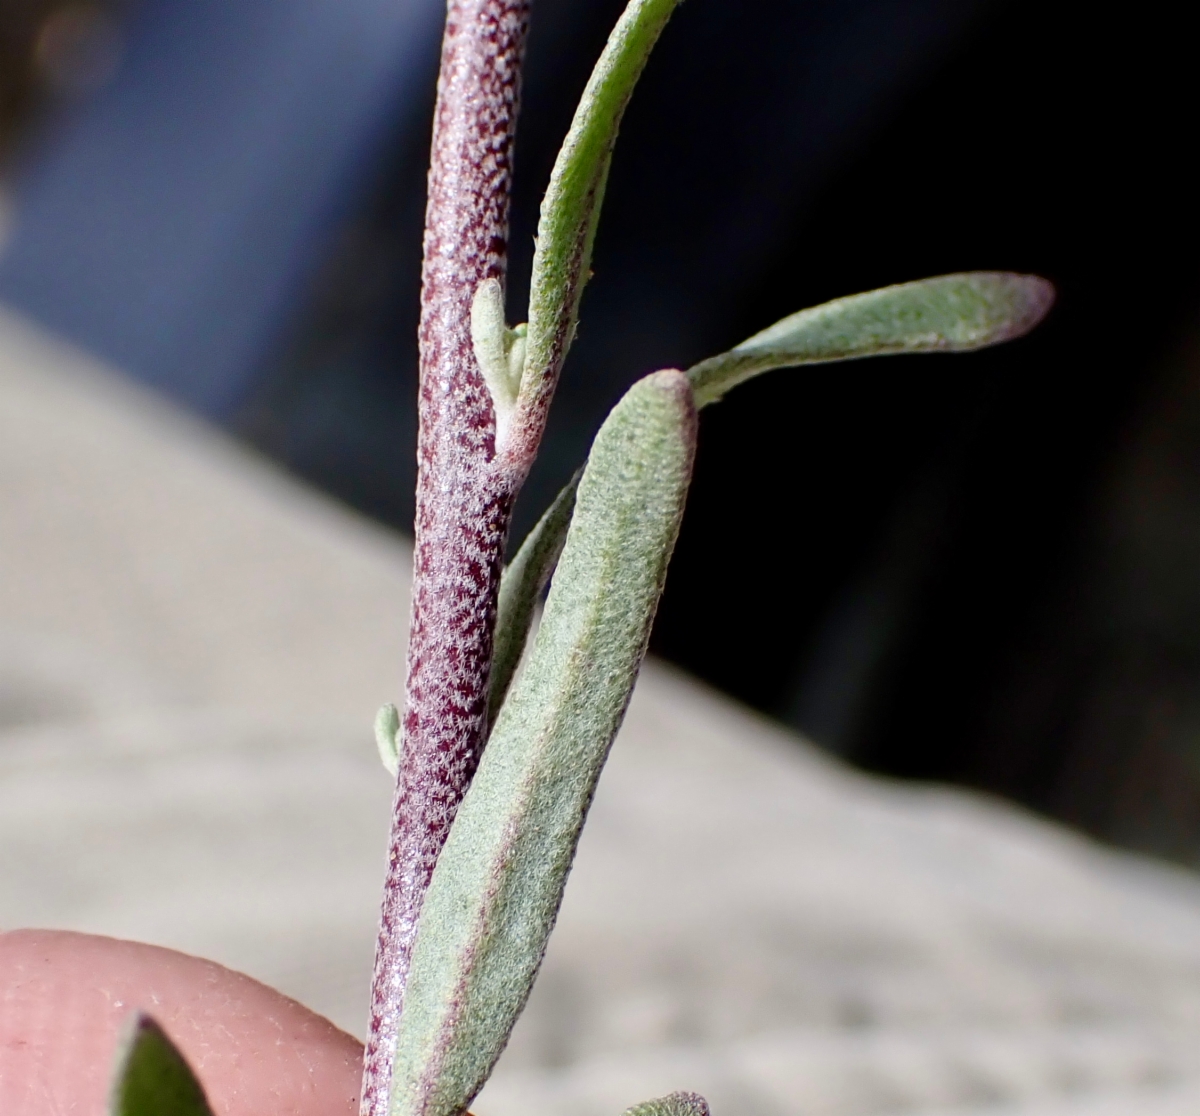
474,447
499,352
951,313
570,212
674,1104
499,881
152,1078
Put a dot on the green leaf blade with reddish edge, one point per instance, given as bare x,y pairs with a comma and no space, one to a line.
950,313
152,1078
496,891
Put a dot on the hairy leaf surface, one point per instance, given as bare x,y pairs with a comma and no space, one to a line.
951,313
571,206
674,1104
500,878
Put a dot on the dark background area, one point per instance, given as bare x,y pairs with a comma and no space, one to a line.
975,568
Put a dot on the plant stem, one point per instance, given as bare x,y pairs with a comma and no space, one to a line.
464,499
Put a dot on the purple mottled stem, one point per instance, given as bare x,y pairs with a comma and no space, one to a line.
464,499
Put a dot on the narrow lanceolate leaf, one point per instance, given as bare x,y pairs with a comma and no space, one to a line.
951,313
674,1104
571,209
499,881
152,1078
524,579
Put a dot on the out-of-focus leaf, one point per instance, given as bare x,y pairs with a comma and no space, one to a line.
152,1078
674,1104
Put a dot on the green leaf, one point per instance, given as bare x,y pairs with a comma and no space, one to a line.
387,738
674,1104
152,1078
499,880
571,206
499,351
951,313
524,579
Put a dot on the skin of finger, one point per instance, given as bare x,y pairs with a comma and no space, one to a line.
65,997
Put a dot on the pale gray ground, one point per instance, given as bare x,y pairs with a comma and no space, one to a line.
192,650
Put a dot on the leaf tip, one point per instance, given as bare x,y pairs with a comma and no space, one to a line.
677,387
152,1077
1028,300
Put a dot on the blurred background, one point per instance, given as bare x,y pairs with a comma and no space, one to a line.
975,569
